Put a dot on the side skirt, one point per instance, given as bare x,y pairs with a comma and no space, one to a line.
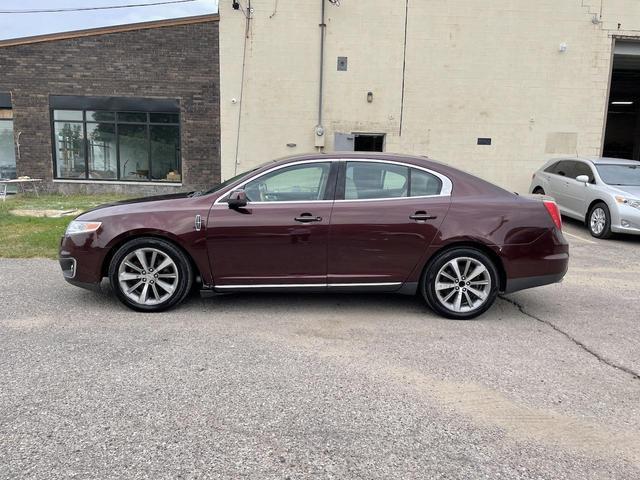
387,287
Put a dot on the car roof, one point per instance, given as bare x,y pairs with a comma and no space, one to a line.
601,160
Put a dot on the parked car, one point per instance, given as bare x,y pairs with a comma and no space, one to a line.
602,192
324,223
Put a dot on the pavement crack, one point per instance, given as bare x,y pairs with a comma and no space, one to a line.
634,374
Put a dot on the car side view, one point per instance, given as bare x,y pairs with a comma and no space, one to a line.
602,192
324,223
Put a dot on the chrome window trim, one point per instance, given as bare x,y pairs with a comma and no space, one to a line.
278,167
447,185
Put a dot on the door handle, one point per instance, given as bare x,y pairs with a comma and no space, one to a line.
307,218
422,216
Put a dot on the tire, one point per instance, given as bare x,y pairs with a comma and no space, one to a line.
538,191
599,221
162,289
472,303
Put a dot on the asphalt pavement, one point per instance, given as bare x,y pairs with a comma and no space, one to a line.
544,386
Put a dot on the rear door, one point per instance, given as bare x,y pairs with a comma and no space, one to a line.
385,216
558,177
280,237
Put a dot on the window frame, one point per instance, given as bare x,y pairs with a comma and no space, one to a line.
148,124
329,193
328,187
446,186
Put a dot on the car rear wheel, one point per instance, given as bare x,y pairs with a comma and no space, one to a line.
538,191
461,283
150,275
599,221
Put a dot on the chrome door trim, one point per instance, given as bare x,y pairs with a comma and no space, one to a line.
274,285
309,285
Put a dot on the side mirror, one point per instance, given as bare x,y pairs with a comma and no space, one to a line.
237,199
583,178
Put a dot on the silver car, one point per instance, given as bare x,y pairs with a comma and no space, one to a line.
602,192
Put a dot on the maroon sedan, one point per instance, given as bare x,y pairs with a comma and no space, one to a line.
324,223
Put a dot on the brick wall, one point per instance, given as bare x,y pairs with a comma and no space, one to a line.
178,61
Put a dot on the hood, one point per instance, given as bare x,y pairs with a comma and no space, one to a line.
155,198
631,191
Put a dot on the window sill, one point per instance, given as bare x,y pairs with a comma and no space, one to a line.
117,182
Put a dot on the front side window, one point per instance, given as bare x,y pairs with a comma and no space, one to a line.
298,183
583,169
110,145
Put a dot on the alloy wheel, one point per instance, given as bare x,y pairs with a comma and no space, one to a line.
148,276
598,220
463,284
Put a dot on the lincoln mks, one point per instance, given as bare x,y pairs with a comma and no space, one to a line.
324,223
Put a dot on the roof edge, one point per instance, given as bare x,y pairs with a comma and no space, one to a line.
51,37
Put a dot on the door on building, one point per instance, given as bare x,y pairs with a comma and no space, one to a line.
622,134
359,142
7,149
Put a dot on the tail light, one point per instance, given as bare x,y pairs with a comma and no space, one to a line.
554,212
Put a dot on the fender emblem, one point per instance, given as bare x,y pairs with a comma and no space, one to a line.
198,223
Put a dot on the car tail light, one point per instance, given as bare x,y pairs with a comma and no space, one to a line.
554,211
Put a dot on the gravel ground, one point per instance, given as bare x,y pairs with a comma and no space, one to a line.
544,386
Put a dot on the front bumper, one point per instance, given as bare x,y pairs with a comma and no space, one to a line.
626,220
81,261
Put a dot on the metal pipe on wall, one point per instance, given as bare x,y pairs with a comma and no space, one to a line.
319,128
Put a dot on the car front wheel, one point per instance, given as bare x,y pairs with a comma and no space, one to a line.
599,222
150,275
461,283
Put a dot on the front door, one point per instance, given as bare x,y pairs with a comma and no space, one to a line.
280,237
576,192
384,218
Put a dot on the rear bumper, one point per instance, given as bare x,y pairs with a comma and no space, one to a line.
517,284
543,262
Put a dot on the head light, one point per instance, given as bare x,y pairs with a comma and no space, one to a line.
77,226
632,202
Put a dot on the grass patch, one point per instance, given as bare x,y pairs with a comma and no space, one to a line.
28,237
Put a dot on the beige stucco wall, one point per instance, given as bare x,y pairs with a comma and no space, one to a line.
473,69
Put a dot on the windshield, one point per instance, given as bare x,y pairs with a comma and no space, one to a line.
628,175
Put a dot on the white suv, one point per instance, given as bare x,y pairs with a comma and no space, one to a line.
602,192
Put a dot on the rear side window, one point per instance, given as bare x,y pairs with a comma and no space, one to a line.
368,180
553,168
564,168
424,184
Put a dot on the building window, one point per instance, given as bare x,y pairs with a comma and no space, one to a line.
117,145
7,150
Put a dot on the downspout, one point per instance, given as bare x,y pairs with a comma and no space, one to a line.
319,127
